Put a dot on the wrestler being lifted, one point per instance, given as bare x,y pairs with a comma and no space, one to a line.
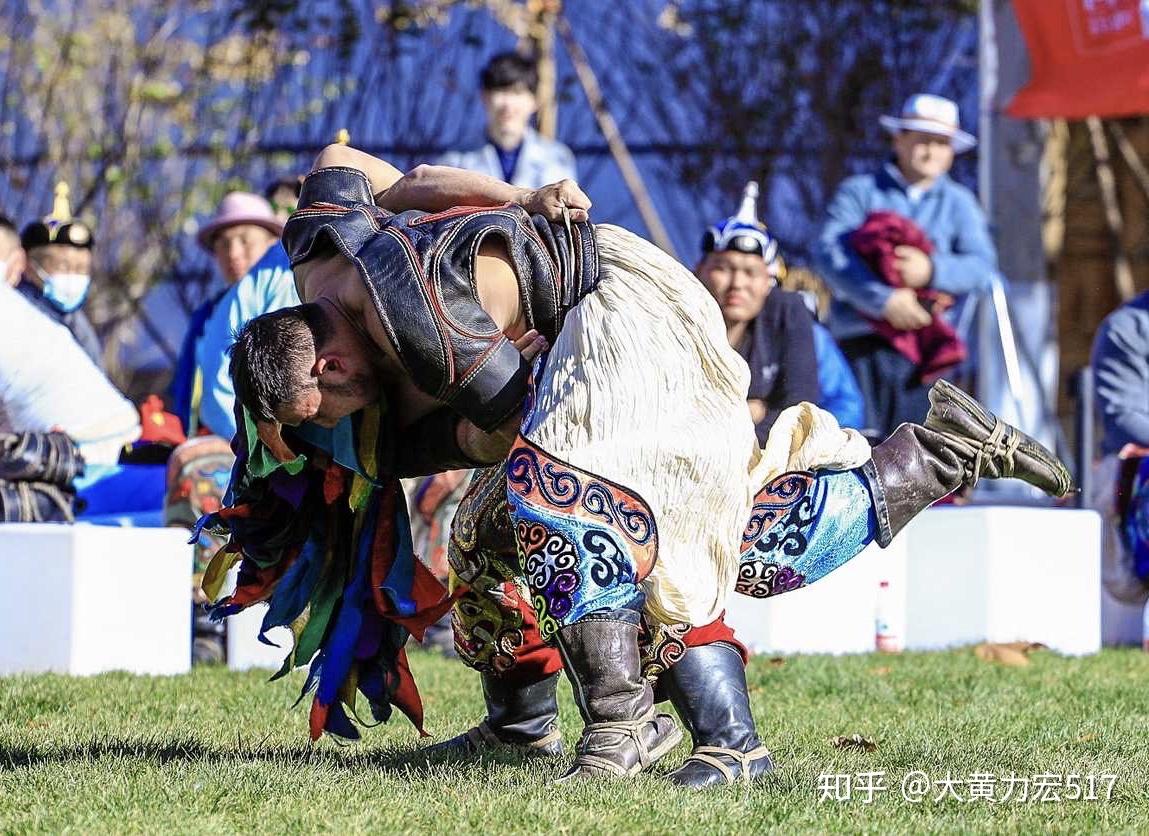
625,496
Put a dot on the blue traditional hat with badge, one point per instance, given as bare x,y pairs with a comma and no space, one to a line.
744,233
65,291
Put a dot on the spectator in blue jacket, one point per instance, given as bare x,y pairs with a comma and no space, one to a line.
244,239
1121,479
768,326
915,183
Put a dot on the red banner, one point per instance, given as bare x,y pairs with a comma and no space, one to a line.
1087,58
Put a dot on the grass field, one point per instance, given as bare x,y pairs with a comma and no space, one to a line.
221,752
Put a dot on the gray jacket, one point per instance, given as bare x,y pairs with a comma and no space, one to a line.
541,161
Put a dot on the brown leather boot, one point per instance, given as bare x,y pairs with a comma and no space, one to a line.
960,442
522,718
623,734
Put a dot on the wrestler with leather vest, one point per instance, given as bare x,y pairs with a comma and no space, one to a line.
438,313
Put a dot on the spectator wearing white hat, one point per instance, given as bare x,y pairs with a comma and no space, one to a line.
915,184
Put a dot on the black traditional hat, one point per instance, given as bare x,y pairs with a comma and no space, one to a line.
59,227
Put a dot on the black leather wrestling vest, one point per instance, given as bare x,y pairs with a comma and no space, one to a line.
418,270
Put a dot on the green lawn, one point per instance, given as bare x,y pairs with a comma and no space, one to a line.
220,752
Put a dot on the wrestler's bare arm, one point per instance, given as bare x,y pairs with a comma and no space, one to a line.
433,188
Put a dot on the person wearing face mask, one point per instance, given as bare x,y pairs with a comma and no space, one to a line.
769,327
58,271
514,152
12,258
915,185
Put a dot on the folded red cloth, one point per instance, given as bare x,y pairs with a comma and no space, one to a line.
935,349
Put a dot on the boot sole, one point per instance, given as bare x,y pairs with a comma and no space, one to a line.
656,754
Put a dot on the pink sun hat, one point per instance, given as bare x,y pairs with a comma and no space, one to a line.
239,208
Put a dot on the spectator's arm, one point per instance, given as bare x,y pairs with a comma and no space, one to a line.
973,261
849,278
1121,377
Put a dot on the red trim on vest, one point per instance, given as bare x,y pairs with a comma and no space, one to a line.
456,212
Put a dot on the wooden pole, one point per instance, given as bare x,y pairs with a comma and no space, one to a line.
1131,157
1122,271
613,137
542,36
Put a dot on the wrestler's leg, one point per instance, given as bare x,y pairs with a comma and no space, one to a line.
805,525
585,545
496,631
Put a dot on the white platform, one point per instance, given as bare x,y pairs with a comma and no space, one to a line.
966,575
244,649
84,599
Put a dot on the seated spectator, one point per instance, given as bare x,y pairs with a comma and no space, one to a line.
954,257
1121,382
769,327
48,383
514,152
243,237
283,195
12,257
840,395
58,271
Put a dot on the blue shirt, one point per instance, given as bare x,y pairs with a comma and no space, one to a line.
268,287
1121,375
508,160
964,258
841,396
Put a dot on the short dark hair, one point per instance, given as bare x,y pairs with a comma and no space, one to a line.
295,184
270,356
508,69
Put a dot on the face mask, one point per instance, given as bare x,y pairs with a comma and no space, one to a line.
66,291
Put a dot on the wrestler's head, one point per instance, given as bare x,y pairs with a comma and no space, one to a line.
305,363
740,262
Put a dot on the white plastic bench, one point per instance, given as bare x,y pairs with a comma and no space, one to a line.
83,599
966,575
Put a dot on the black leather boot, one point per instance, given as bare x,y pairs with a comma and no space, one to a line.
707,687
623,734
523,719
960,442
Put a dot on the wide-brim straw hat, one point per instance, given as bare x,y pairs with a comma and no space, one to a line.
932,115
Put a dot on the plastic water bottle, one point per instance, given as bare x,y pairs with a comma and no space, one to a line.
888,627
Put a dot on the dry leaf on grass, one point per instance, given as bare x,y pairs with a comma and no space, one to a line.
1010,654
853,741
1086,738
776,662
884,670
